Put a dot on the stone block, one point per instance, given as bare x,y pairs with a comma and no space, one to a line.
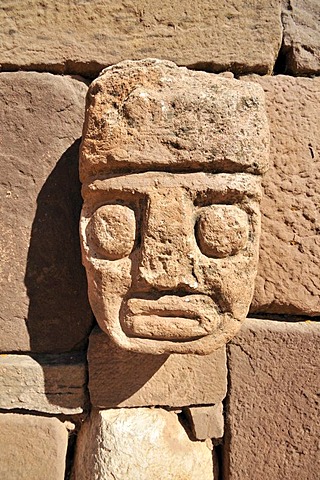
127,379
139,443
272,414
301,37
82,37
288,280
32,448
44,305
43,383
206,422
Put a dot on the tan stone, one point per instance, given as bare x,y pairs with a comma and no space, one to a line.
44,305
83,37
301,36
206,422
288,280
139,443
170,248
44,383
272,420
32,448
126,379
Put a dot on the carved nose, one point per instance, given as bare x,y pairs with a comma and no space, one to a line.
166,261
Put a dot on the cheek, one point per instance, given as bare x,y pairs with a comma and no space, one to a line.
109,278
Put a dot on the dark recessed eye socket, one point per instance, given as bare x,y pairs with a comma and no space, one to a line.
222,230
111,231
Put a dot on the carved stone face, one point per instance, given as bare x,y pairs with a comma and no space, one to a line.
170,255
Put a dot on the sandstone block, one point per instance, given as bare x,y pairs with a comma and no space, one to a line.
288,280
32,448
170,163
301,36
83,37
43,288
206,422
127,379
44,383
139,443
272,421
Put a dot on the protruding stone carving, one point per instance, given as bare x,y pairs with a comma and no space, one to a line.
170,165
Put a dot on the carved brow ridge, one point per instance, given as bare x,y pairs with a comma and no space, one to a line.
243,184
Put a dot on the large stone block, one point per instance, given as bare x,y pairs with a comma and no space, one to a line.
44,383
301,37
288,280
44,303
139,443
127,379
272,420
32,448
82,37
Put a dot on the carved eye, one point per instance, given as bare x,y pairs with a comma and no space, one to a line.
111,231
222,230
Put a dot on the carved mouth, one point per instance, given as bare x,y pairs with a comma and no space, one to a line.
170,317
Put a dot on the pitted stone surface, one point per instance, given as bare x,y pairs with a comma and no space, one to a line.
288,280
32,448
178,155
118,378
272,415
85,36
152,115
139,443
43,383
301,36
44,305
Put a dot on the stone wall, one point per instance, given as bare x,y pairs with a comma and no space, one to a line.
67,395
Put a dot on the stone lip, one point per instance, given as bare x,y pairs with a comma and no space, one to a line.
170,317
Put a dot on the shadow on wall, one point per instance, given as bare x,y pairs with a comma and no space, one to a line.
59,316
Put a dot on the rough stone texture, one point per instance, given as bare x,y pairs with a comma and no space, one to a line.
301,36
44,383
32,448
288,280
272,420
43,288
126,379
82,37
171,257
142,444
206,422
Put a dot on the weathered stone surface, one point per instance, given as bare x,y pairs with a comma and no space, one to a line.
32,448
272,421
43,288
206,422
44,383
139,443
301,36
288,280
82,37
126,379
170,248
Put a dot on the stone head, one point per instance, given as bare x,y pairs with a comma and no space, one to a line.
171,161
